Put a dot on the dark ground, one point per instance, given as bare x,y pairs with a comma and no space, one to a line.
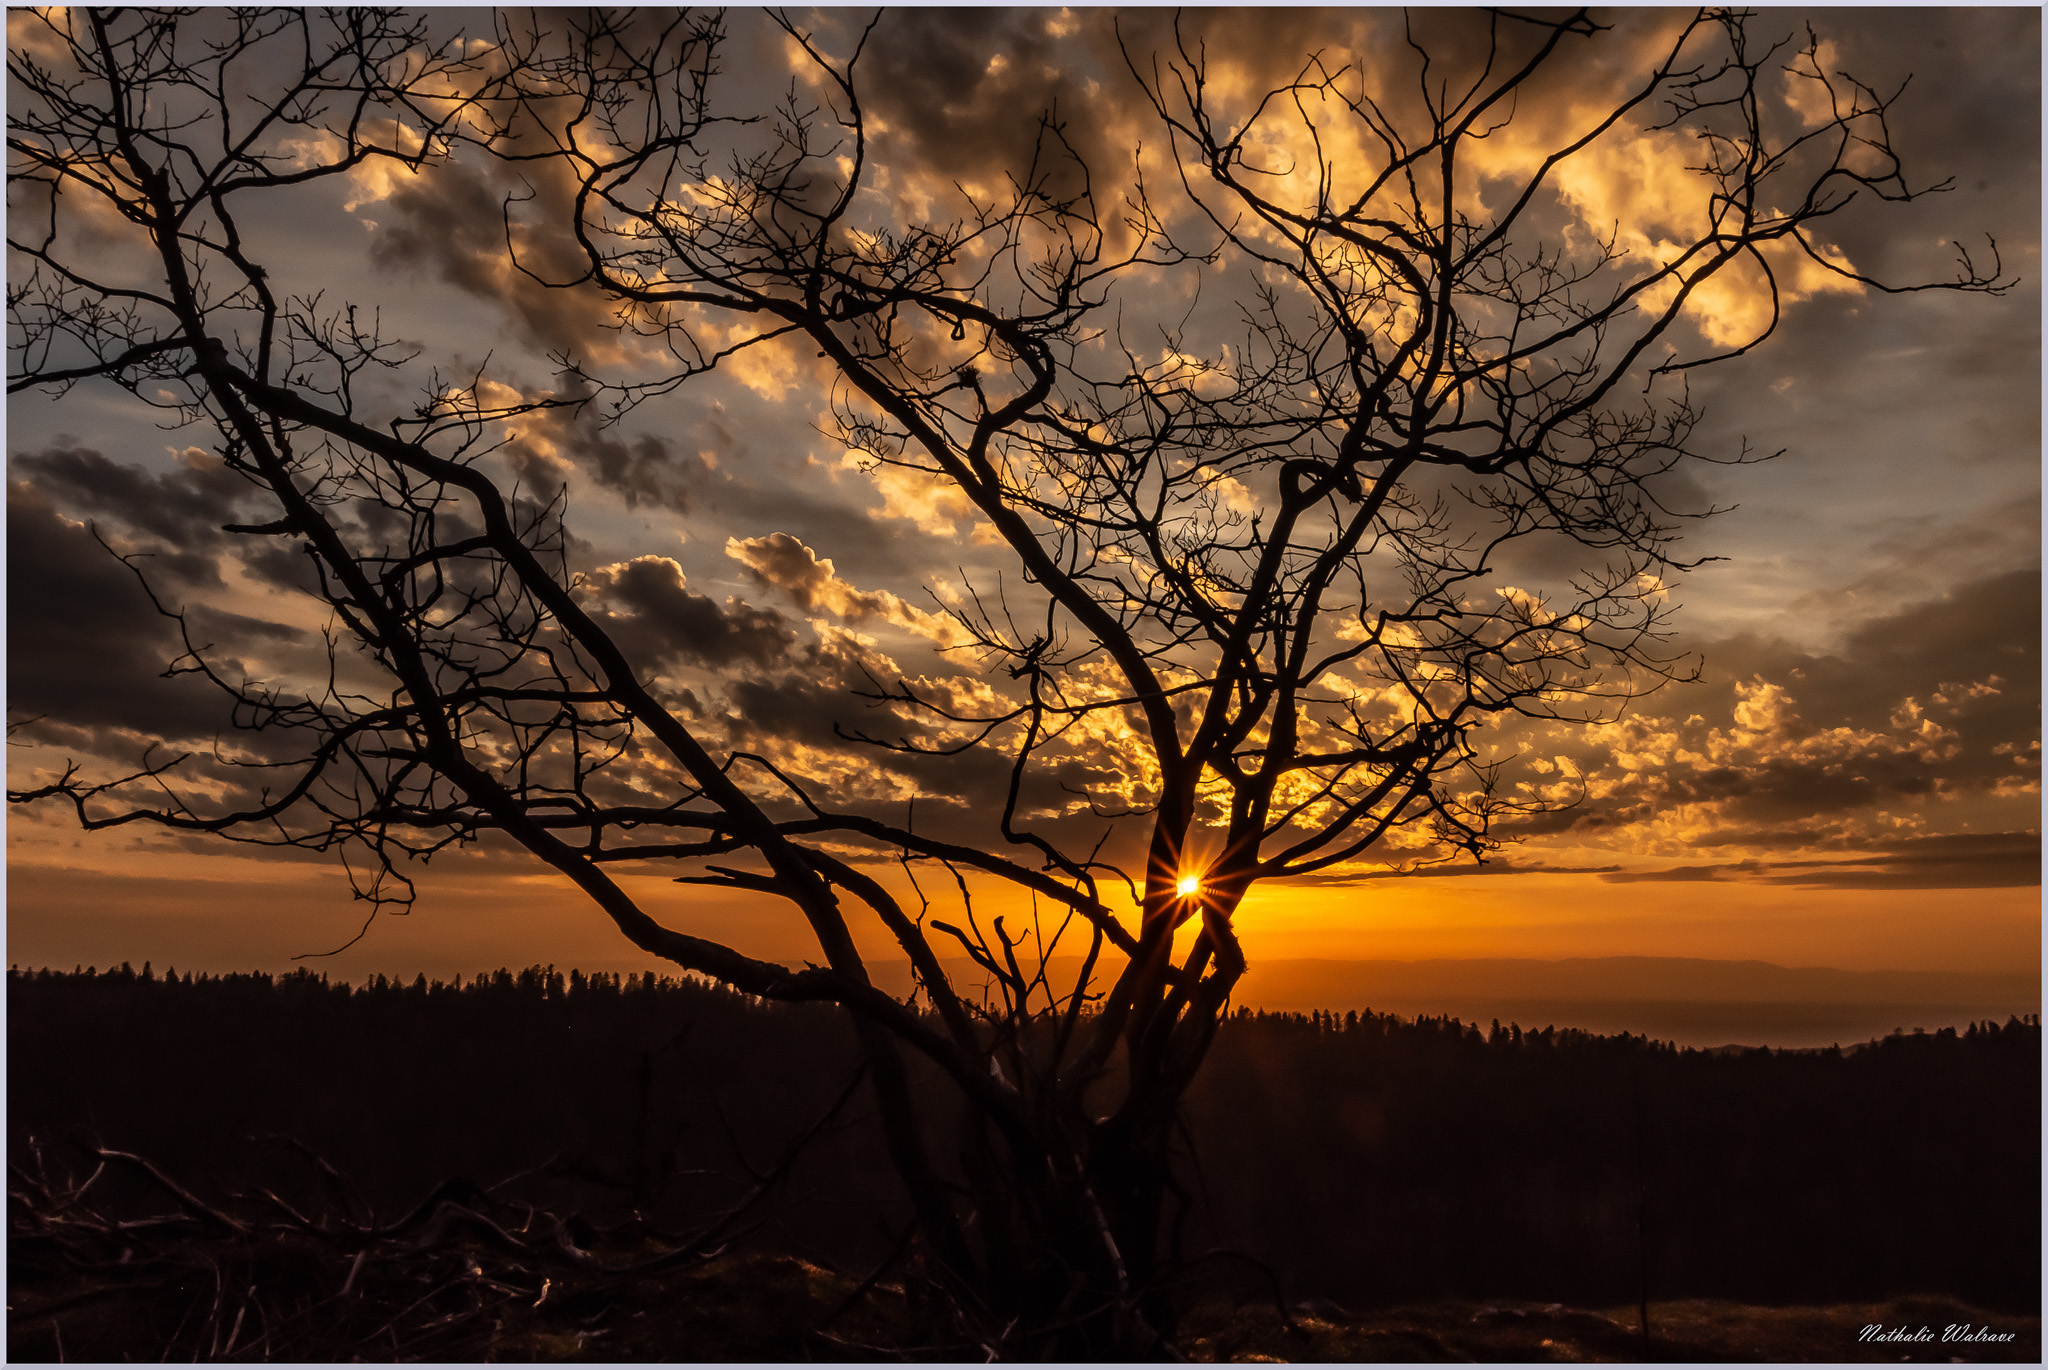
1419,1189
766,1308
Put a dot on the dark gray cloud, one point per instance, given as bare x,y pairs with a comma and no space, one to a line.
1937,698
645,469
1945,861
958,91
86,650
1968,660
178,513
1992,159
959,88
453,225
818,712
658,621
1458,865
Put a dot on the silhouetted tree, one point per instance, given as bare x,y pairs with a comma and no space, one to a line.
1258,566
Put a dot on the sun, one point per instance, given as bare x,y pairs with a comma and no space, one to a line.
1188,886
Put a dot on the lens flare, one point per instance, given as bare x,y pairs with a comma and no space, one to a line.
1188,885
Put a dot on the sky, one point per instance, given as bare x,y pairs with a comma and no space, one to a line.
1852,782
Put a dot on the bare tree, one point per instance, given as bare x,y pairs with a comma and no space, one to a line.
1257,566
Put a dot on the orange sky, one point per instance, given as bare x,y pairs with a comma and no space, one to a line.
201,912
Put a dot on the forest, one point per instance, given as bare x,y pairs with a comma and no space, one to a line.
1326,1164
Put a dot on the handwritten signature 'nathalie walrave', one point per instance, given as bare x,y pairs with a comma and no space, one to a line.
1953,1332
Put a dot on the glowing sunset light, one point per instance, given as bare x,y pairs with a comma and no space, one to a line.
1188,886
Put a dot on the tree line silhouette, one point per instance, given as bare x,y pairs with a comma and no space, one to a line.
1363,1158
1427,1158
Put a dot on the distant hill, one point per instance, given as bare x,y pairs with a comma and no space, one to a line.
1691,1001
